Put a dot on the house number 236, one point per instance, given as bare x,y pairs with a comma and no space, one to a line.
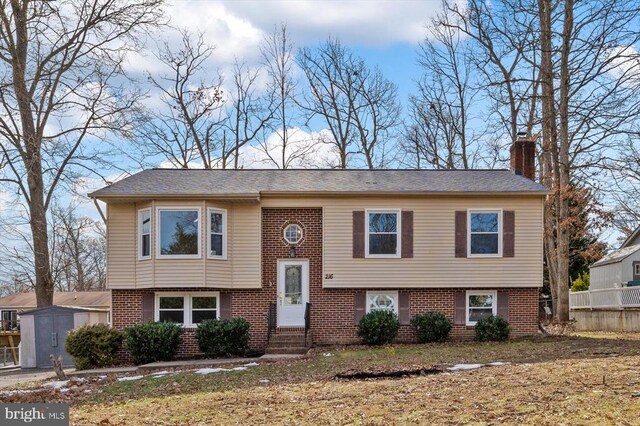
328,276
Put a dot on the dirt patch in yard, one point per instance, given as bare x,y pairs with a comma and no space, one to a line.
392,374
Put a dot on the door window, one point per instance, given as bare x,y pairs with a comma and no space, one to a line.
293,284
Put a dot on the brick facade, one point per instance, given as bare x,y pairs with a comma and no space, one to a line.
332,313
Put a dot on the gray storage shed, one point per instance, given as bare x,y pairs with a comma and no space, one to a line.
44,332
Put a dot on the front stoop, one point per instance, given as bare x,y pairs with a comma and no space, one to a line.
289,342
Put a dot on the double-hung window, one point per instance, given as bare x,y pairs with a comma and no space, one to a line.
383,236
485,228
188,309
144,232
480,305
178,232
217,234
382,301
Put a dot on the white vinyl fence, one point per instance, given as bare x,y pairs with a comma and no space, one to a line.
606,298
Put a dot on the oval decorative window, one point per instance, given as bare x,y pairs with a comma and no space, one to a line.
293,233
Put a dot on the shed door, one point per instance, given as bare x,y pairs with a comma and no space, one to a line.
63,323
51,334
44,328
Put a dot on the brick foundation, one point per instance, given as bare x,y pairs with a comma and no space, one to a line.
332,313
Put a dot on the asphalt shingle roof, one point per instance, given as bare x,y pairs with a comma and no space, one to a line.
616,256
196,182
95,299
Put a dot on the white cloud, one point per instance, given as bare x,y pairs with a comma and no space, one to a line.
373,22
304,150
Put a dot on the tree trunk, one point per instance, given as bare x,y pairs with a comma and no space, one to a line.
33,163
562,310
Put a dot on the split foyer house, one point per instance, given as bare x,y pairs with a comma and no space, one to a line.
314,250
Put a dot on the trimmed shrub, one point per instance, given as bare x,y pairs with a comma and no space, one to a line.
153,341
93,346
378,327
492,328
223,337
432,327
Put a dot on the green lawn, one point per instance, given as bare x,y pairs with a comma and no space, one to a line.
588,379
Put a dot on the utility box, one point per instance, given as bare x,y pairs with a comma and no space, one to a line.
44,332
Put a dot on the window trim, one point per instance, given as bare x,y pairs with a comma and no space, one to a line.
284,233
224,233
187,304
159,254
398,253
393,293
636,268
140,234
469,293
499,212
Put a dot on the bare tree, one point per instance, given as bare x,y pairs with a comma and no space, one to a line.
77,246
186,129
440,133
248,114
281,149
60,96
358,104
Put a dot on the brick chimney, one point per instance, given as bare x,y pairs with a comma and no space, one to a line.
523,156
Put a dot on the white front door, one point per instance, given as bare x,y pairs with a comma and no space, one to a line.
293,292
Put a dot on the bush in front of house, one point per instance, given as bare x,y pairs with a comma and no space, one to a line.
378,327
153,341
492,328
223,337
581,283
432,327
93,346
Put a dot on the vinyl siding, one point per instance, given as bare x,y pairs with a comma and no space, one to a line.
613,274
241,269
434,263
121,245
245,237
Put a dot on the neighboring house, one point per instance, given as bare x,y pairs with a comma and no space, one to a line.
187,245
613,300
11,306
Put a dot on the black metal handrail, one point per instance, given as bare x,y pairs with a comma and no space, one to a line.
272,320
307,320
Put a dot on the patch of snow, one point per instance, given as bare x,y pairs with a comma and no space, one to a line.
460,367
102,377
129,378
251,364
160,373
58,384
210,370
327,354
264,381
239,368
17,392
